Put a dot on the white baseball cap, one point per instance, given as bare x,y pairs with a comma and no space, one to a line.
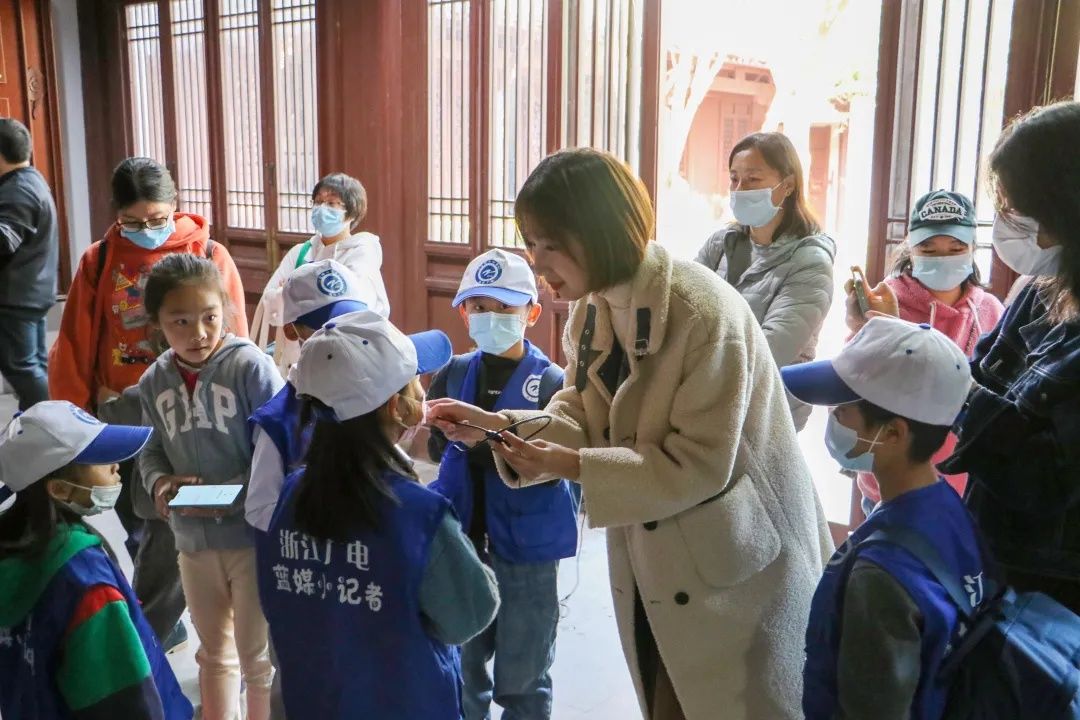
54,433
318,291
358,361
500,275
908,369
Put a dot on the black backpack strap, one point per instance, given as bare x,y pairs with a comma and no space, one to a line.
101,253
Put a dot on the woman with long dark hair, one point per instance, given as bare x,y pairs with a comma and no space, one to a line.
774,253
1020,434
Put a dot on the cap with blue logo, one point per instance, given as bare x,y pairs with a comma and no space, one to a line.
358,361
318,291
942,213
499,275
908,369
54,433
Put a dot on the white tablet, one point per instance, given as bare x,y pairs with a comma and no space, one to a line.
206,496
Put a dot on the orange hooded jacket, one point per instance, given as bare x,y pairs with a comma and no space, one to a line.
104,334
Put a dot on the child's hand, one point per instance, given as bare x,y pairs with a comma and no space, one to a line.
881,299
165,490
105,394
447,414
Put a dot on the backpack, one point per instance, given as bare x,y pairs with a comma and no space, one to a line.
1017,656
550,383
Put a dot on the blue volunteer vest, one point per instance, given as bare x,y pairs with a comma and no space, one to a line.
524,525
937,514
345,617
279,418
29,652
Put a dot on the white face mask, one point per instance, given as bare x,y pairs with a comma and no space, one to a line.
941,273
102,497
840,440
409,431
754,207
1016,242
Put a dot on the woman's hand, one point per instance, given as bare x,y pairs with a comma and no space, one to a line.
537,461
165,490
445,413
881,299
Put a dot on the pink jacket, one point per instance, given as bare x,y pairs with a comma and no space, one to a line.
975,313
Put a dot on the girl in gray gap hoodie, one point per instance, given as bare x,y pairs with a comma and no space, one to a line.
198,396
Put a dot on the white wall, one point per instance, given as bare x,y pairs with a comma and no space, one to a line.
72,126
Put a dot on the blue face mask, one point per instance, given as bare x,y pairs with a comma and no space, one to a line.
327,221
150,239
754,207
495,333
840,440
941,273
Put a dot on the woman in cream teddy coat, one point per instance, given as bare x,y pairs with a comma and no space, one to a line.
675,423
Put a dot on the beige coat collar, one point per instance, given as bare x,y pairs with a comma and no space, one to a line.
649,302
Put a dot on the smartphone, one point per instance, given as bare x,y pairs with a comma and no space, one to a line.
859,281
206,496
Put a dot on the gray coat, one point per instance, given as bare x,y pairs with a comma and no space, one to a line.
788,285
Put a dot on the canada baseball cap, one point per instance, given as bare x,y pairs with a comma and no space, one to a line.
359,360
318,291
942,213
908,369
54,433
500,275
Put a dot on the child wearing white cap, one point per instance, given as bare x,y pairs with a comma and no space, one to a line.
521,532
313,294
365,576
883,616
73,641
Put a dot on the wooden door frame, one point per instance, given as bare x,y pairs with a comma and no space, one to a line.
35,76
1043,49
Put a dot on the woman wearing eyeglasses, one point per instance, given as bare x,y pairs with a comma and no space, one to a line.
105,343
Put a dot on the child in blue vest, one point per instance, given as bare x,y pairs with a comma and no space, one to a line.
73,642
365,577
880,624
521,533
313,294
